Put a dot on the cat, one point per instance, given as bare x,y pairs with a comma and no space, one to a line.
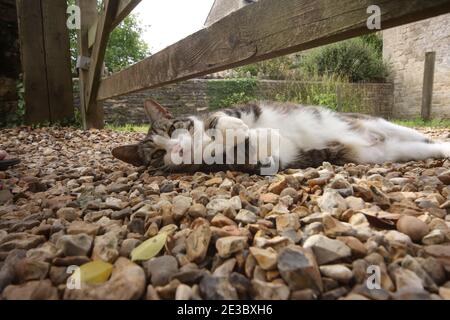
306,136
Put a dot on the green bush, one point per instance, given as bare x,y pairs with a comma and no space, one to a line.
354,59
359,60
374,40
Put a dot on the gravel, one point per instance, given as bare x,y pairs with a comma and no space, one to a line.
333,232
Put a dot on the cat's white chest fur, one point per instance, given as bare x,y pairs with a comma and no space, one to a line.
372,140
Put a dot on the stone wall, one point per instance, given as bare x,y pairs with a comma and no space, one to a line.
405,48
192,97
375,98
9,59
189,97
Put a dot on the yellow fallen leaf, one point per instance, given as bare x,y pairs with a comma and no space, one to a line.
94,272
169,229
150,248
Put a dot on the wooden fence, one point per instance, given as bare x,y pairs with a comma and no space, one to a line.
263,30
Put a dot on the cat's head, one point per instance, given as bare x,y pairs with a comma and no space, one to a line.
163,142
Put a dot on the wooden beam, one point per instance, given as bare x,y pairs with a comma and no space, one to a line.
428,83
124,9
92,115
93,32
57,52
266,29
104,28
32,50
45,53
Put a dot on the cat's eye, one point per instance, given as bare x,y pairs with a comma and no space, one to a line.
171,130
159,154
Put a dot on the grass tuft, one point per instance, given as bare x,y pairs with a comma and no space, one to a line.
128,128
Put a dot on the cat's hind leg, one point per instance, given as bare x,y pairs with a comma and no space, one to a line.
394,131
402,151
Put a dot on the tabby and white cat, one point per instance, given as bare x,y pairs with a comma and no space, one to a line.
307,135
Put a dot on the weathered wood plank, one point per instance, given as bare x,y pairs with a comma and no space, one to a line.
428,83
104,28
124,9
95,116
57,52
33,61
93,32
264,30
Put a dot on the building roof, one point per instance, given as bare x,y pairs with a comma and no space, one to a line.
222,8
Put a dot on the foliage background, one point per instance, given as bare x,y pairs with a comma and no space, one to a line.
357,60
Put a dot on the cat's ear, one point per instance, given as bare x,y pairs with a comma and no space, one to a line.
155,111
128,154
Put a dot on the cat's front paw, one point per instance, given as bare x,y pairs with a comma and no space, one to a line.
229,123
269,166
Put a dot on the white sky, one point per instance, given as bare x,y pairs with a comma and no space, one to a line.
168,21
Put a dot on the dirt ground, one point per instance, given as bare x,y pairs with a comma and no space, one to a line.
352,232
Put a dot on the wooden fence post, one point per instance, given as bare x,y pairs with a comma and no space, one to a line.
428,82
104,28
92,115
32,52
44,40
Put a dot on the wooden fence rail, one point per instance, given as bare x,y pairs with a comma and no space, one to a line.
266,29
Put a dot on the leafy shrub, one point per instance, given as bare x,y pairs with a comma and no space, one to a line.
374,40
354,59
359,59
